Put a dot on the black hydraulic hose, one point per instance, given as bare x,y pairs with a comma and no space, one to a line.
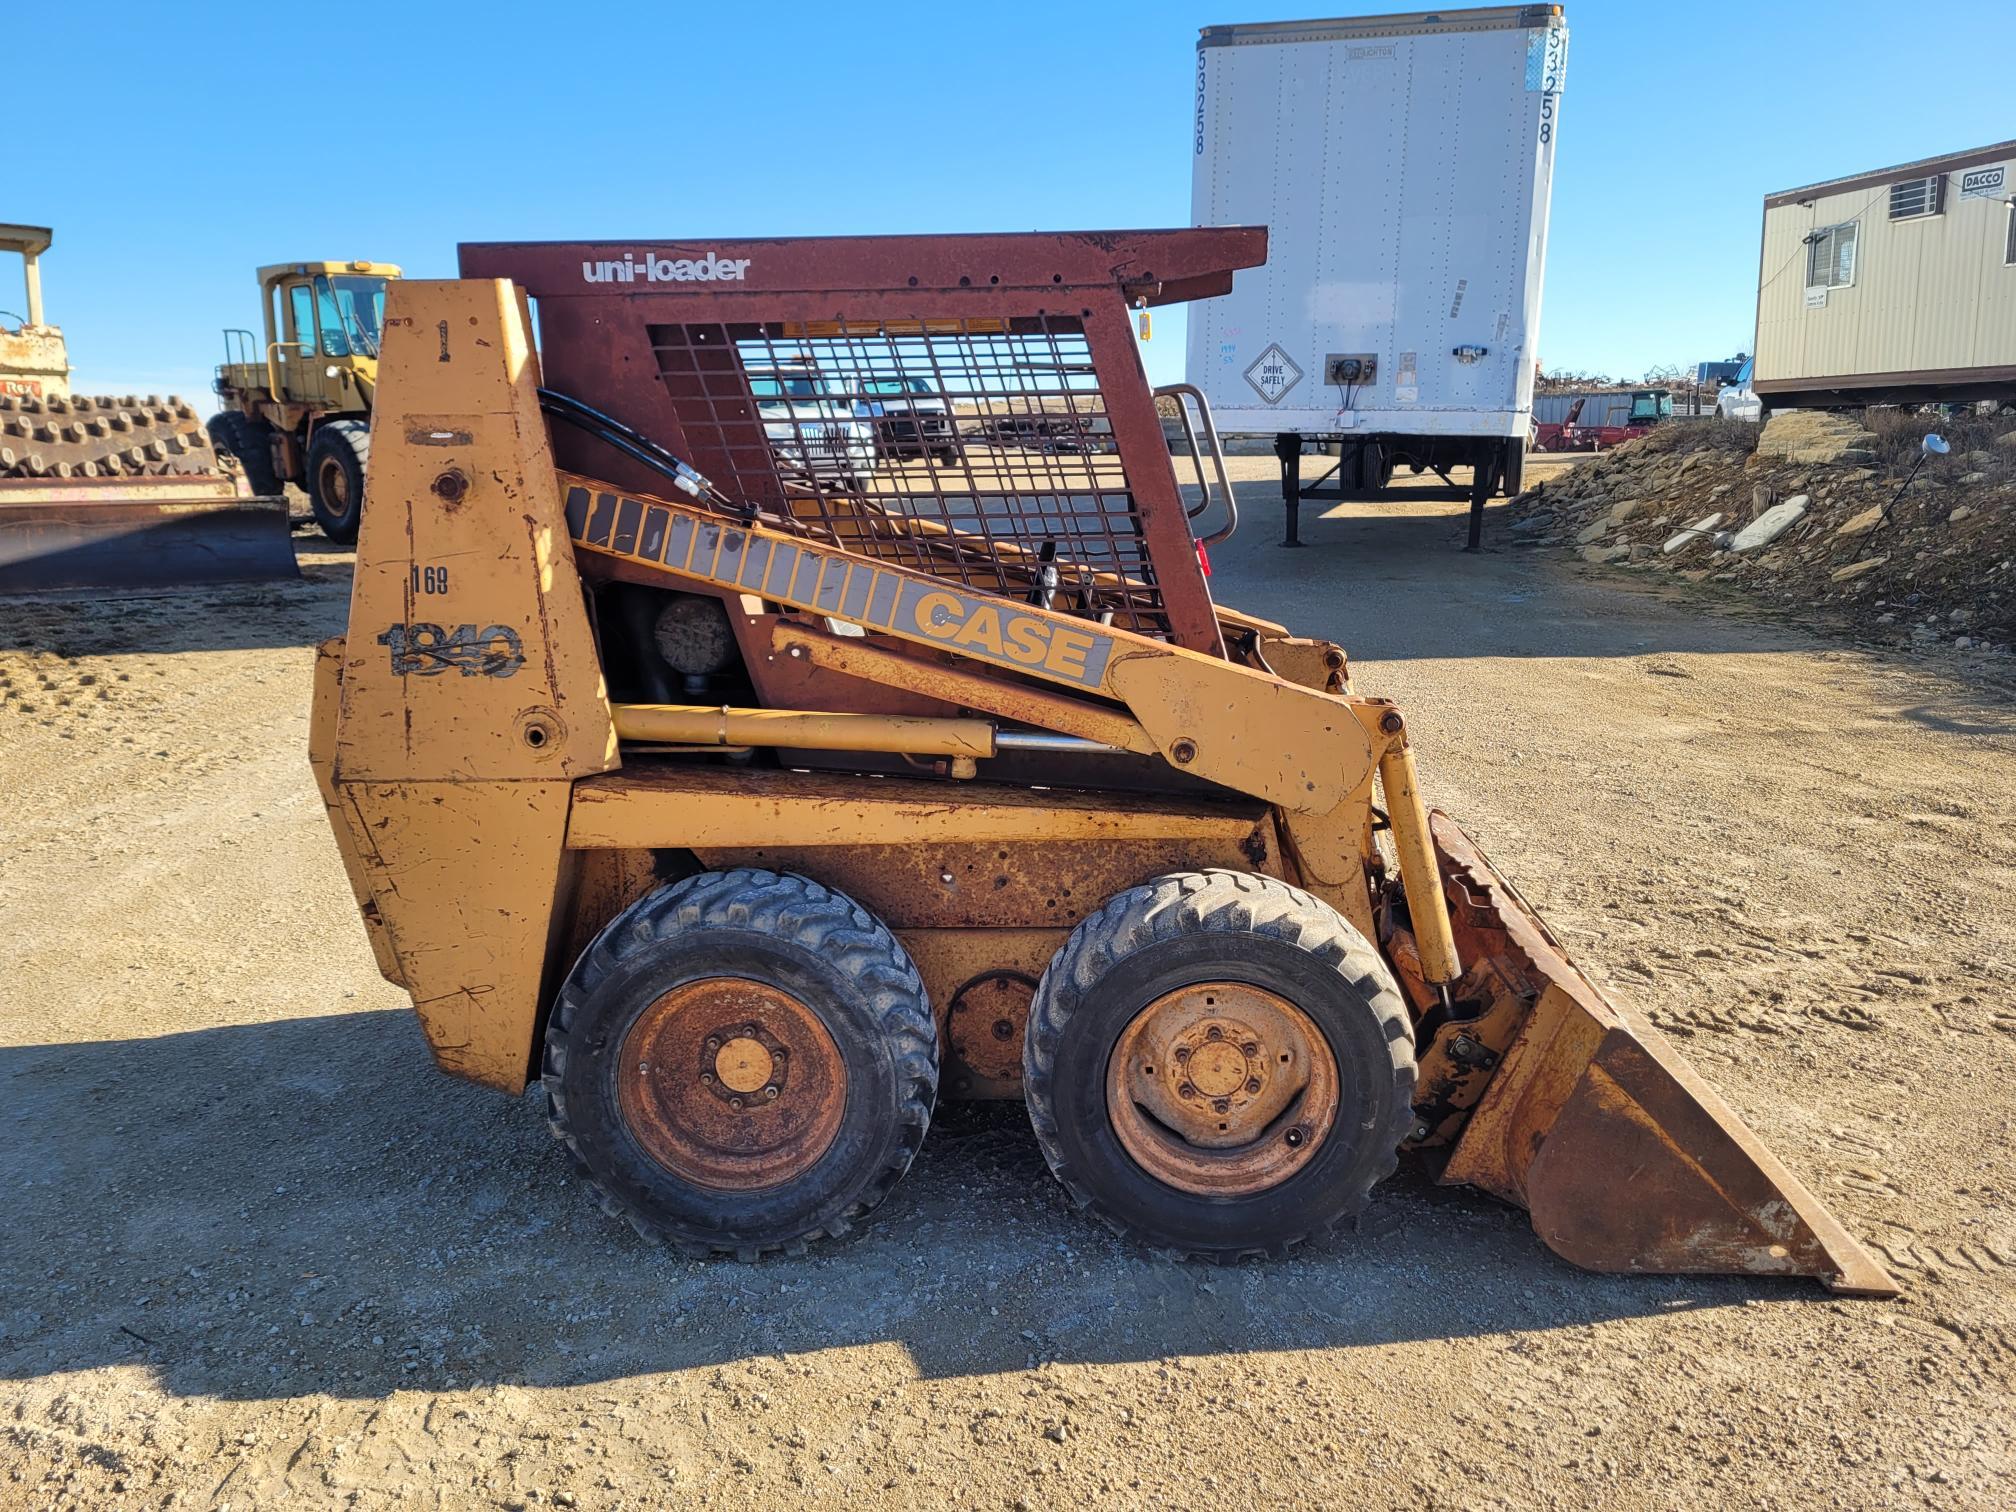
640,448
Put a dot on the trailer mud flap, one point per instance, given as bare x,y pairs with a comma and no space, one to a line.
134,533
1625,1158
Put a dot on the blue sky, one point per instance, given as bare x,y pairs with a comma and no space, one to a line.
175,147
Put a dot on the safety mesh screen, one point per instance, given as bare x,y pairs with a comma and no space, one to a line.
980,451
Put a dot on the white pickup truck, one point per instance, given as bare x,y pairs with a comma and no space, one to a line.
812,427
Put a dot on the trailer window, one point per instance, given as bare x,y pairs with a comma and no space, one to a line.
1830,257
1918,197
2009,243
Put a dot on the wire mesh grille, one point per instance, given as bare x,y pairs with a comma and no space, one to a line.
980,451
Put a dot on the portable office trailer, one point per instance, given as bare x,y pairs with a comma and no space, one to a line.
1403,166
1897,286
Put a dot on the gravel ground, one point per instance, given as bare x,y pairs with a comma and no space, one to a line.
257,1251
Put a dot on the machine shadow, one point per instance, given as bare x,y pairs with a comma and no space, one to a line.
305,1206
198,617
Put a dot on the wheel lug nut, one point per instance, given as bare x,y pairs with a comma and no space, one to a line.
1249,1048
707,1078
1182,1052
1252,1084
770,1092
713,1043
1221,1105
1214,1033
735,1102
1186,1090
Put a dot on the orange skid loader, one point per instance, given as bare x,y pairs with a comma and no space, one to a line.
792,694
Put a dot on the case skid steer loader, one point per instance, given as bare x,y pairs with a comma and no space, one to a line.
750,803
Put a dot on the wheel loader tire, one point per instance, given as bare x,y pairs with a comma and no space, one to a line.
742,1061
250,441
337,459
1218,1065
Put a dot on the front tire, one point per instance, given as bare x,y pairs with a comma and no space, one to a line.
1218,1065
251,442
742,1061
337,460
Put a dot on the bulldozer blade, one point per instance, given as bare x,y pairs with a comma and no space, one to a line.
126,533
1625,1158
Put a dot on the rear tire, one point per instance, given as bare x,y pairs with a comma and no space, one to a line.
1250,947
251,442
337,460
718,1139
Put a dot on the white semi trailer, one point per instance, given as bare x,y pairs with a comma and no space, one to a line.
1403,166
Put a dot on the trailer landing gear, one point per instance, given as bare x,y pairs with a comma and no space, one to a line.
1288,447
1495,467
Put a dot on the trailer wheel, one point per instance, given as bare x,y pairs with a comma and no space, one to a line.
1218,1065
337,459
742,1061
251,442
1374,467
1514,475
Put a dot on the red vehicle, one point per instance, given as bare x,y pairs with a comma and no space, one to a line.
1622,417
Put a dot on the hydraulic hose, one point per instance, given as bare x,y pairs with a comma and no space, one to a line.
640,448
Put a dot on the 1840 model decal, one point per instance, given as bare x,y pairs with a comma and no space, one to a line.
428,650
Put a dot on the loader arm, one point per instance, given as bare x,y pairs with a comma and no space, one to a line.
1309,753
475,769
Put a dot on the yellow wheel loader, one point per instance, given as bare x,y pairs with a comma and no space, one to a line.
297,404
752,804
98,491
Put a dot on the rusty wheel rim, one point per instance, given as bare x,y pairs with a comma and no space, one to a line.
731,1083
335,483
1222,1089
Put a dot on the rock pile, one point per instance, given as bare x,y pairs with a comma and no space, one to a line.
1802,514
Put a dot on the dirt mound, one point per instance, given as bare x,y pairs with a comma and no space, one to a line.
1807,513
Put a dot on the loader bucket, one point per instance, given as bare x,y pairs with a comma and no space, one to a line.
130,533
1625,1158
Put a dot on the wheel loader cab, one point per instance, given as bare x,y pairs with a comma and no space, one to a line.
753,806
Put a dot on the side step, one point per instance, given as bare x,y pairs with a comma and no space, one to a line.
129,533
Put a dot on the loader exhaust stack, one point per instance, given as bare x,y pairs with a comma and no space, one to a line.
834,715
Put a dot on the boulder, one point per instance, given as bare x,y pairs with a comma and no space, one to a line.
1855,569
1691,534
1768,526
1815,436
